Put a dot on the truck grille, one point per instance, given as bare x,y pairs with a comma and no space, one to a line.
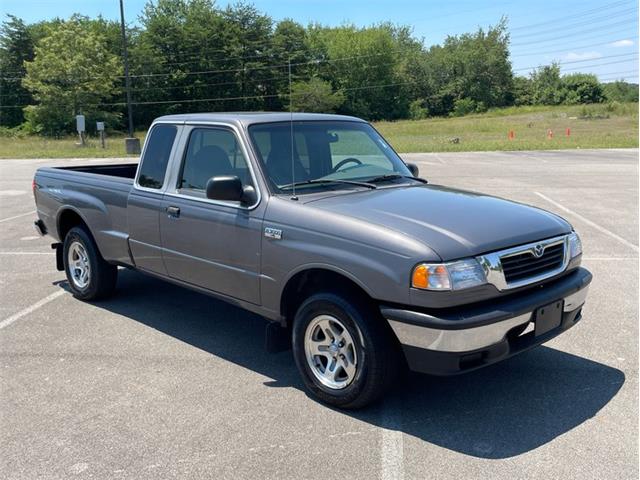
520,266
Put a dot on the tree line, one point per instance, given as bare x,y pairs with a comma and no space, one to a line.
190,55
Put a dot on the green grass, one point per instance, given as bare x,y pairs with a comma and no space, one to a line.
592,126
33,146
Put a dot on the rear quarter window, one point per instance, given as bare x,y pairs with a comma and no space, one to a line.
153,166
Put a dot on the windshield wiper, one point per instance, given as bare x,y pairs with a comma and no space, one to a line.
394,176
327,180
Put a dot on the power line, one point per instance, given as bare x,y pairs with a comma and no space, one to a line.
250,97
319,61
226,59
246,69
594,65
624,13
202,85
205,59
571,18
270,43
616,75
584,60
575,47
576,15
577,34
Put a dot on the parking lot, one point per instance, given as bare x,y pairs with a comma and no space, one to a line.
161,382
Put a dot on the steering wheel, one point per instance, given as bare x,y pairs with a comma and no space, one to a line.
341,163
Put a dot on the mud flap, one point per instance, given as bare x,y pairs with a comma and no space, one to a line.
59,252
276,338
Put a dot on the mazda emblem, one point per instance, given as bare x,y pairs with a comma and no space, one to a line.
538,250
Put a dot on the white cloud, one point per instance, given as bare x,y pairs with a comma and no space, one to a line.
572,56
622,43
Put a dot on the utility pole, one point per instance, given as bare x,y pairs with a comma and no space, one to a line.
132,144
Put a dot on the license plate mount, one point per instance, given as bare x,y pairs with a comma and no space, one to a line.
548,317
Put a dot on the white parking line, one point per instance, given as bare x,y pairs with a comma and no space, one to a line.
439,158
17,316
18,216
589,222
392,443
27,253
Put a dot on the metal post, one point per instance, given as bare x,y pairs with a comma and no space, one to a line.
132,144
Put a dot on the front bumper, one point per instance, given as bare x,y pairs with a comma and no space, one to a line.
456,340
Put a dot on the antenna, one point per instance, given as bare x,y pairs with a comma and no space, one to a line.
293,170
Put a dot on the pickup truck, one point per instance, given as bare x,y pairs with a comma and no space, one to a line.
314,222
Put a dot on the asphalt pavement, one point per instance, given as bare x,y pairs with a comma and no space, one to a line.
162,382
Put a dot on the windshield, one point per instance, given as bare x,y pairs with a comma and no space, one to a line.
323,151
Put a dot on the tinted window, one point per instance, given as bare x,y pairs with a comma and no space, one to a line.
156,156
323,150
212,152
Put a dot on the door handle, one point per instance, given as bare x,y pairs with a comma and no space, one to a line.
173,211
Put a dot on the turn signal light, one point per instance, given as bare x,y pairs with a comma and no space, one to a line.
427,276
420,277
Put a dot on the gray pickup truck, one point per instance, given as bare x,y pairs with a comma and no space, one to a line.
314,222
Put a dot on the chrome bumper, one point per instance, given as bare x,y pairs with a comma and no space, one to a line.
464,340
456,340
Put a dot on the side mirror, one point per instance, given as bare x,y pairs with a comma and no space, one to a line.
229,188
413,168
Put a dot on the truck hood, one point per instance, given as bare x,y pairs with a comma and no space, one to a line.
453,223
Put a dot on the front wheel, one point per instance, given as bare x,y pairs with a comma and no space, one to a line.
89,275
344,351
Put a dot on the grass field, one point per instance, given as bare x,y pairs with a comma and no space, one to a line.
591,126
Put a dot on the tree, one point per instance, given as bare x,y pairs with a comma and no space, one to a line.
621,91
249,35
522,94
72,73
315,95
479,66
362,62
547,85
473,66
581,88
178,40
16,47
289,44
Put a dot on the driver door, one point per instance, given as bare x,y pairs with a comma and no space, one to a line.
207,243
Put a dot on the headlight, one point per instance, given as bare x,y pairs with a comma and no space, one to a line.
575,245
448,276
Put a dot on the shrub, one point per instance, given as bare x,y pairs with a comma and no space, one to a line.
417,111
464,106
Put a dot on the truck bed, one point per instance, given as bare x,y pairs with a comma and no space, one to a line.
98,193
125,170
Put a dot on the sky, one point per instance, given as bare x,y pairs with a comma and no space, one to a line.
599,37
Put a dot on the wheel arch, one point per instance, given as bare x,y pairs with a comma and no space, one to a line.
317,278
67,218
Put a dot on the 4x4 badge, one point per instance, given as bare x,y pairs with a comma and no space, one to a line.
274,233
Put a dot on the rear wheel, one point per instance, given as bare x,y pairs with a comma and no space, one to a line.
90,276
344,351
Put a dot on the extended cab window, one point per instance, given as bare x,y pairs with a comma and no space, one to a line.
156,156
325,154
211,152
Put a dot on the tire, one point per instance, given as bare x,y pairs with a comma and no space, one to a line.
94,278
368,347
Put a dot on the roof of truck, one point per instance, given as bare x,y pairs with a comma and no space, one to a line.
249,118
